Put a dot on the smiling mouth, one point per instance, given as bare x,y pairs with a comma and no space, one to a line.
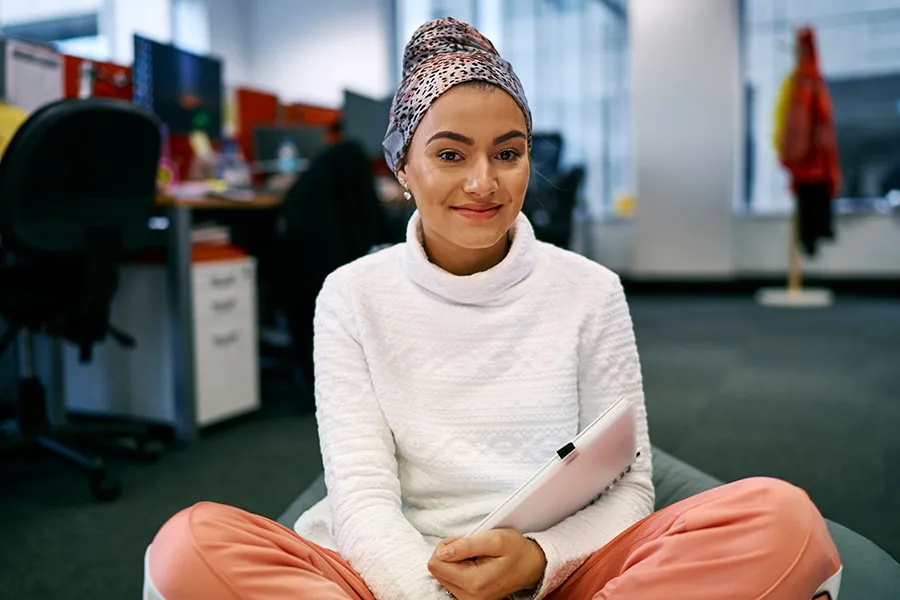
478,213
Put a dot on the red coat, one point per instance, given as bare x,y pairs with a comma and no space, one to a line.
809,144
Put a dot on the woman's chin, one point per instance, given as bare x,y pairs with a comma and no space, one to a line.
485,239
480,233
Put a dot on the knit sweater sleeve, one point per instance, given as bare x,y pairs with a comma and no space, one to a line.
609,369
370,530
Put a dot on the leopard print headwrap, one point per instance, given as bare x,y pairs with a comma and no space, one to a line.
441,54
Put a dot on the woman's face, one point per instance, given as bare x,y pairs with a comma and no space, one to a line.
467,168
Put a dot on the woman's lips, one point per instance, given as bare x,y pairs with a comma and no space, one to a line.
478,212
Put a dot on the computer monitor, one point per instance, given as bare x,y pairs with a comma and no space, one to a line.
183,89
365,120
867,124
309,141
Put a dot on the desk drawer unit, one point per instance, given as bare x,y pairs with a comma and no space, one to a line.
139,382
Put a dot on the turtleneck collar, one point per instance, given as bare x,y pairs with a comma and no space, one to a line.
497,286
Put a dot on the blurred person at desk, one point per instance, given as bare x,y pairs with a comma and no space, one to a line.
448,369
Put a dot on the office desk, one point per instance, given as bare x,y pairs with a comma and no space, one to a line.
181,308
258,201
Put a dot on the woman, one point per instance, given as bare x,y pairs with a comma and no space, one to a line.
448,369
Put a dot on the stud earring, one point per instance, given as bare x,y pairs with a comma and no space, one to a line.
406,192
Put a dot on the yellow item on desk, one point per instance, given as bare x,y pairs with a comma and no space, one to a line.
200,145
229,117
11,118
203,163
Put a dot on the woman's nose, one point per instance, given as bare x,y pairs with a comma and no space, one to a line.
481,181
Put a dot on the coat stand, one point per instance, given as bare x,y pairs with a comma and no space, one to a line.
795,295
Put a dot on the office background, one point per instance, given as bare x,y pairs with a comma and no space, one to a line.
668,106
582,64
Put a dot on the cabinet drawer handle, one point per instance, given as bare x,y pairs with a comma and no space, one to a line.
225,340
224,305
222,281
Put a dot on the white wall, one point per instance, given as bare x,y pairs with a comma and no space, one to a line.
229,38
301,52
219,28
191,26
410,14
121,19
685,84
311,51
865,246
23,11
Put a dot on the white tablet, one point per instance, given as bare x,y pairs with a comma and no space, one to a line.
575,476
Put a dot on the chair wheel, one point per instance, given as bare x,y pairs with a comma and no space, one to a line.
104,486
151,450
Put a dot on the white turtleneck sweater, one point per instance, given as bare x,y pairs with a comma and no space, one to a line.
439,395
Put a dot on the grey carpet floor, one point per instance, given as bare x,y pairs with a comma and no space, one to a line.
57,542
812,397
738,390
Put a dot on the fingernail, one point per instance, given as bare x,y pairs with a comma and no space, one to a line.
446,552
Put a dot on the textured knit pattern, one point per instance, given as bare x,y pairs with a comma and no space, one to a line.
443,53
438,395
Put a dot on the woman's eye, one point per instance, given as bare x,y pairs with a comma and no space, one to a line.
449,156
508,155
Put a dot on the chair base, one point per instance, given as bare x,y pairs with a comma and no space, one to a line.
69,441
104,486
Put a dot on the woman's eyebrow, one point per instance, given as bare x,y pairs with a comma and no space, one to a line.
515,133
451,135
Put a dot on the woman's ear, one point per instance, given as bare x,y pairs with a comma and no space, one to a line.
401,178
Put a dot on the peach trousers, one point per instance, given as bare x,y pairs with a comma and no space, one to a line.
754,539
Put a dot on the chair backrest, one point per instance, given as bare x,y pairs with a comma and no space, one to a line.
568,191
546,153
332,216
76,167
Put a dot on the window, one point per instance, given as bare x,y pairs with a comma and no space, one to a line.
859,54
571,56
464,10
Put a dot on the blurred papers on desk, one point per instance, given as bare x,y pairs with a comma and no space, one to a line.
210,189
196,190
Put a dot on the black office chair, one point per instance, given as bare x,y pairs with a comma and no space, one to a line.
546,153
332,216
77,187
550,207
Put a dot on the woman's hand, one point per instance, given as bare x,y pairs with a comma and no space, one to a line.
488,566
